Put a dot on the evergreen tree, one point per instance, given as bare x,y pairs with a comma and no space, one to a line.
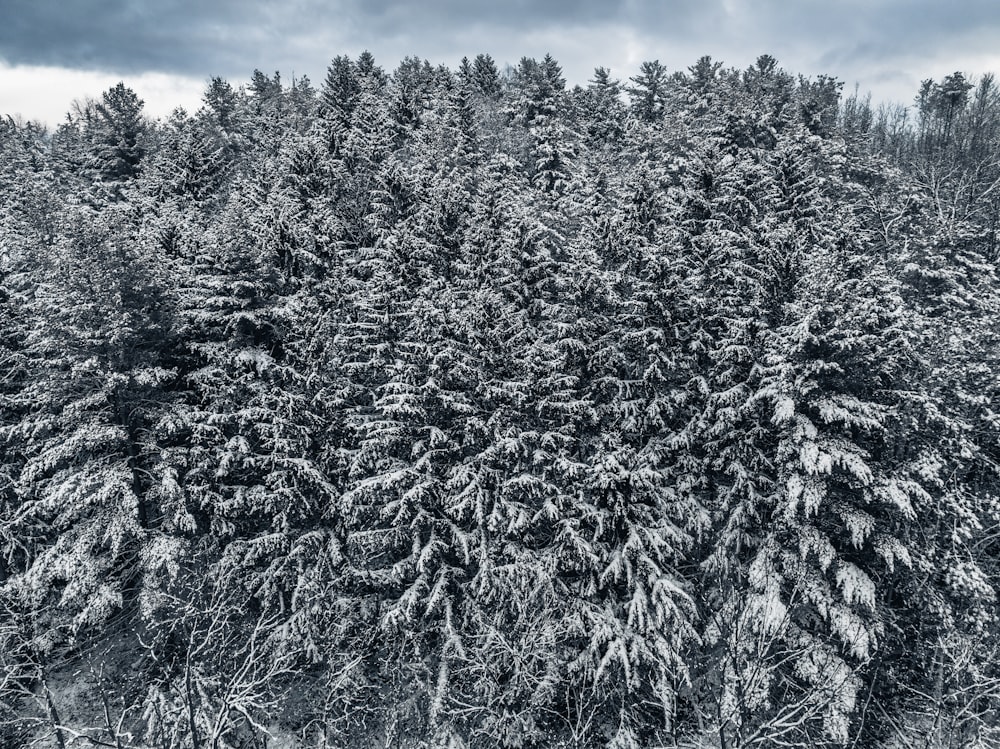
95,513
649,94
486,77
116,138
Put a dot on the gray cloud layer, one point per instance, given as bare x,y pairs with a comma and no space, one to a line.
850,38
192,37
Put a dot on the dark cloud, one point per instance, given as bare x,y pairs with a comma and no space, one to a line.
199,38
230,37
171,36
396,17
895,31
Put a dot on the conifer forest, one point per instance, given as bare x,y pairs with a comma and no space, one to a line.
466,409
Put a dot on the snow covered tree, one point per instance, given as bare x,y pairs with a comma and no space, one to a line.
118,144
96,513
649,94
485,76
602,112
810,510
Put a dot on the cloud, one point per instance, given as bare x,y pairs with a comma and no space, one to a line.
885,45
46,94
231,37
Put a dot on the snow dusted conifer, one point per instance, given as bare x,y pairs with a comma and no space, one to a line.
937,238
95,506
811,511
118,147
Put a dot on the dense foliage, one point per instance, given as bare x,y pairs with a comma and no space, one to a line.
463,409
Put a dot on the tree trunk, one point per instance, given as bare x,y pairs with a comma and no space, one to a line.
53,715
132,450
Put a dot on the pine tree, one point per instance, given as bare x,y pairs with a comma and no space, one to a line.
811,511
649,94
602,112
338,98
118,138
98,519
486,77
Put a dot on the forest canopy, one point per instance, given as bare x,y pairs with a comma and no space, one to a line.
463,408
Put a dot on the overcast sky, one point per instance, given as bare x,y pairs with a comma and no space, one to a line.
53,51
